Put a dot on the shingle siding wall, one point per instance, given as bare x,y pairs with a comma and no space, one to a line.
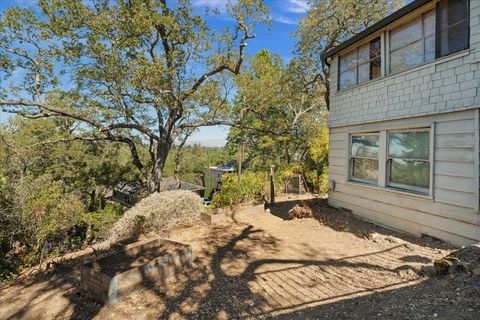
445,85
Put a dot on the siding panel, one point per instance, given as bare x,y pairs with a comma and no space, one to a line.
451,214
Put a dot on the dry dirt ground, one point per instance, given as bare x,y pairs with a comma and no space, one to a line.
332,266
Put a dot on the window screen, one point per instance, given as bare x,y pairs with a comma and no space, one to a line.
453,26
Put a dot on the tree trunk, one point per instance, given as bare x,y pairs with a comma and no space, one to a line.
91,206
156,176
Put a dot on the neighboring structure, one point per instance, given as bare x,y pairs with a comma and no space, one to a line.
168,184
127,194
404,121
213,175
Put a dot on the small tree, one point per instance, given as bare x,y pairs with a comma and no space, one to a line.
129,71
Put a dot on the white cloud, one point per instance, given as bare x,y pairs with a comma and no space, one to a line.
212,4
285,20
297,6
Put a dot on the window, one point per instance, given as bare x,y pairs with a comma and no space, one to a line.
409,160
453,26
364,158
360,65
398,159
413,43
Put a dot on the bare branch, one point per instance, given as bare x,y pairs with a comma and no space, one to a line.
235,70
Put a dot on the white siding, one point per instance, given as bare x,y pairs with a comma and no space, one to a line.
452,214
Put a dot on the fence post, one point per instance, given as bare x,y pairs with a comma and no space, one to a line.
272,186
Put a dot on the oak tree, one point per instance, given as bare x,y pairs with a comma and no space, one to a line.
138,72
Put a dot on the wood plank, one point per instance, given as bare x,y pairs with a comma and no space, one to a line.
337,153
337,169
455,140
451,168
339,136
462,155
457,126
337,177
410,201
401,224
455,183
336,161
457,198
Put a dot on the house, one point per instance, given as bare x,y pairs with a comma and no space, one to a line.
404,121
168,184
213,175
127,194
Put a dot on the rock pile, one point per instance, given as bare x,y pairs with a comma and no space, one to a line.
464,261
300,211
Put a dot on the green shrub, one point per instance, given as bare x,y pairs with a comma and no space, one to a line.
36,220
253,186
102,220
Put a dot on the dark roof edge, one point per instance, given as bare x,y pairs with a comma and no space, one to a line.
375,27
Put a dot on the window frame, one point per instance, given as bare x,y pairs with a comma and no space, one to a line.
383,166
357,65
406,187
351,157
385,43
438,30
422,40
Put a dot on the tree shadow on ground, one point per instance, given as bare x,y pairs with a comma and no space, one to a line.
58,280
434,298
229,295
345,221
238,274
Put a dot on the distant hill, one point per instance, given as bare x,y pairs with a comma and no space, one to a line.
208,143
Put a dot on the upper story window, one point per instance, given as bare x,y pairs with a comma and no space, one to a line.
435,34
413,43
360,65
439,32
453,27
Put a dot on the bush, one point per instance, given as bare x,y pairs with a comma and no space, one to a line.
101,221
35,221
317,182
157,211
253,186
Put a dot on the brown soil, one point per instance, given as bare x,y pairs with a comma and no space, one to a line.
124,261
332,266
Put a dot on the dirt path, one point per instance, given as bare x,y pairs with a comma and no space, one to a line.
268,267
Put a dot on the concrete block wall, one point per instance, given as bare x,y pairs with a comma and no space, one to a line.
447,84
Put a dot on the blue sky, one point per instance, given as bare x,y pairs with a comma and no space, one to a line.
276,38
